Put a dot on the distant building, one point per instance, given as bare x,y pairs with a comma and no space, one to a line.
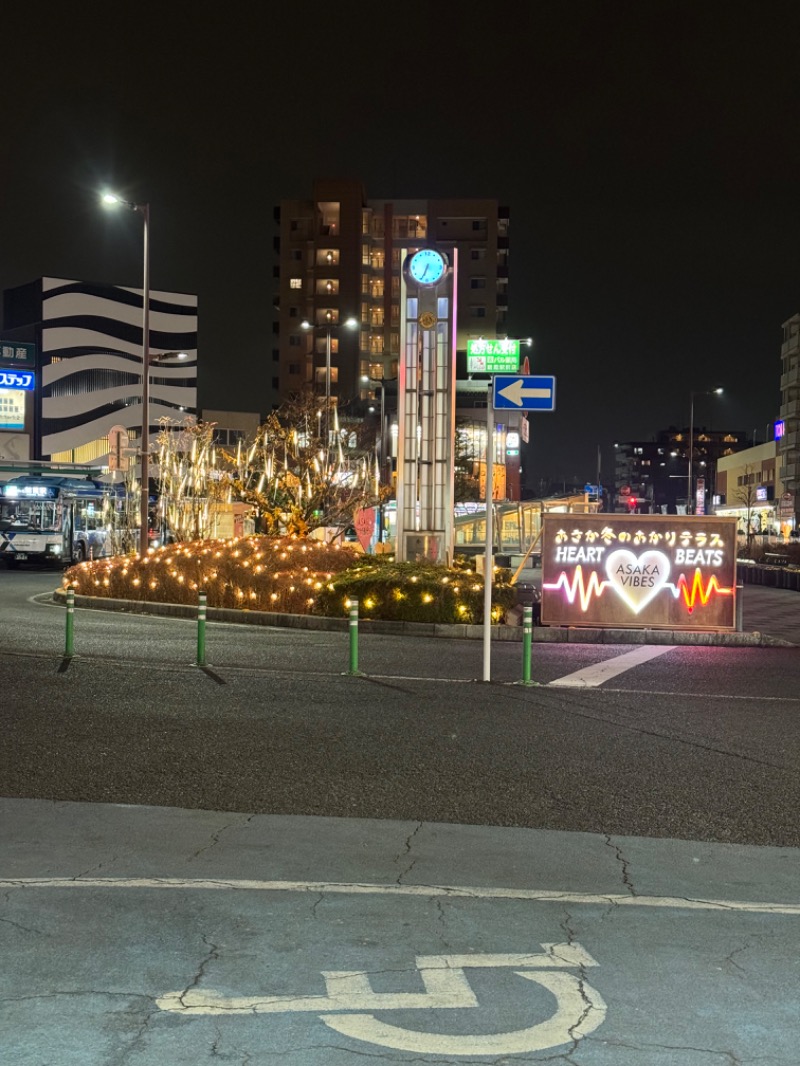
89,377
748,486
230,427
340,256
789,425
652,477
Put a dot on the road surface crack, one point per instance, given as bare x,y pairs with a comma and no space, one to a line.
218,833
404,854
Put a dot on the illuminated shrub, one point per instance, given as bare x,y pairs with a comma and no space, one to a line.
412,592
292,576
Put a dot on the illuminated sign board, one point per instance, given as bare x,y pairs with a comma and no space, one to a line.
12,409
17,379
780,429
17,354
639,571
493,356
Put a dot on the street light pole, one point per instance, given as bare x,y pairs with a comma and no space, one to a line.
327,385
144,210
349,323
144,513
690,509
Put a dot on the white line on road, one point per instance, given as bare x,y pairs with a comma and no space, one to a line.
592,676
427,891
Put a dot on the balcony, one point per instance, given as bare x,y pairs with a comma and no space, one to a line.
791,409
790,379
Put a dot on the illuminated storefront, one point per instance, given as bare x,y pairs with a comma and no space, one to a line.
639,571
17,388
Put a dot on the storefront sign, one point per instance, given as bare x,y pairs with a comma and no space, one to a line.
492,356
17,379
17,354
639,571
700,496
12,409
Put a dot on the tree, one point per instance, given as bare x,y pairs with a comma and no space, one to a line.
296,481
191,485
745,494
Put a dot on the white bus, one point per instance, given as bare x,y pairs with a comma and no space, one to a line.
56,520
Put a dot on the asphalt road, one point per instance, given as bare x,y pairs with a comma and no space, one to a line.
599,870
697,743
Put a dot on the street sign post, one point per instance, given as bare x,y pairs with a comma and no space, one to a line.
118,442
517,392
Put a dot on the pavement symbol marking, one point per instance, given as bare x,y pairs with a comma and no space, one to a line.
592,676
579,1007
425,891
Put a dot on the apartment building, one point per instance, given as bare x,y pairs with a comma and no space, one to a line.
788,428
340,257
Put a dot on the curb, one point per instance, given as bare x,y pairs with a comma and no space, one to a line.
513,634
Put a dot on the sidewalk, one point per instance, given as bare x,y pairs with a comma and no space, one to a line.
773,612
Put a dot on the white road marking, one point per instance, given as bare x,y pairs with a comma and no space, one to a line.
426,891
579,1008
592,676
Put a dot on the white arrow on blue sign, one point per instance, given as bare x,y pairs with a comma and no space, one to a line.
519,392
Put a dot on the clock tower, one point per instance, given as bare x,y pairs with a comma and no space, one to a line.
426,406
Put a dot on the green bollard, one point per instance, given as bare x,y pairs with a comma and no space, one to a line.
527,637
353,605
201,629
69,649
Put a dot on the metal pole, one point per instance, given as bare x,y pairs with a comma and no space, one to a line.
353,626
689,508
201,629
144,511
739,608
383,432
70,642
327,388
487,565
527,638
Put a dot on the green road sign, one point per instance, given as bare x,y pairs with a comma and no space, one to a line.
499,356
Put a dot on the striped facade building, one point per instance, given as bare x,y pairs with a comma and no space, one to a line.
89,378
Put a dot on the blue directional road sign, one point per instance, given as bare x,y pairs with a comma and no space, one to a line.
524,392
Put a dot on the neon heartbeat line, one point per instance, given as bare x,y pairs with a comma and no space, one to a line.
579,588
691,593
586,591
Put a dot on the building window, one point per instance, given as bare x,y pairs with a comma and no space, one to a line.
295,283
295,341
478,312
296,254
294,368
477,253
293,312
477,283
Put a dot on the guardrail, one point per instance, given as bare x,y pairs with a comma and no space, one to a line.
774,575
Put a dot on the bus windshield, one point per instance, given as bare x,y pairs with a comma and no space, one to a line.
22,514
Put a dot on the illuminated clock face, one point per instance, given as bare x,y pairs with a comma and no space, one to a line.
427,266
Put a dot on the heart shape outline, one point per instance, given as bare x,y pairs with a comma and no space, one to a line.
636,597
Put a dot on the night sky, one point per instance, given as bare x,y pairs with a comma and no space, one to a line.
649,153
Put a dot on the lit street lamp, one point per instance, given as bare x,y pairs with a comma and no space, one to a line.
330,325
690,508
